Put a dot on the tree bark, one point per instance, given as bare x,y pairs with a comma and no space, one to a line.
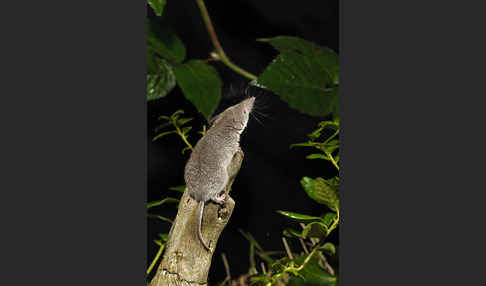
186,261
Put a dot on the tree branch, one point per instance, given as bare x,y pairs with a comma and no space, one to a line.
186,261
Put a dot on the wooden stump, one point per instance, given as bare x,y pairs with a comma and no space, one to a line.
186,261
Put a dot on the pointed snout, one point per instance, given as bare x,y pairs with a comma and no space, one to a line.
250,101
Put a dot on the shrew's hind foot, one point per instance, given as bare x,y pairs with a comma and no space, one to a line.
219,198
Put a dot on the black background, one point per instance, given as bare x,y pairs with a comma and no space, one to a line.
269,179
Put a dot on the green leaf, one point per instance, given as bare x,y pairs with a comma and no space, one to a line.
183,121
303,74
279,265
322,191
163,134
165,43
328,219
329,124
259,279
300,84
317,156
306,144
175,115
325,57
185,149
329,248
333,182
315,229
161,126
324,125
162,218
298,217
295,273
315,134
151,66
201,85
313,274
186,129
158,242
178,188
335,108
157,5
203,131
331,146
289,232
164,236
162,82
160,202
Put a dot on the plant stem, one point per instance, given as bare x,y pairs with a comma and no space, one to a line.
326,264
226,267
332,159
303,246
217,45
182,135
287,248
157,256
332,136
307,259
335,223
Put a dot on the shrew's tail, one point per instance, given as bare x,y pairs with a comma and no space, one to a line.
199,233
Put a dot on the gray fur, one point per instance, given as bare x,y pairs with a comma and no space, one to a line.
206,171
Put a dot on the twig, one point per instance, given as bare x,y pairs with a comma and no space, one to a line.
219,49
331,137
326,264
323,258
287,249
332,159
307,259
157,256
335,222
266,254
226,267
263,268
303,246
182,135
252,260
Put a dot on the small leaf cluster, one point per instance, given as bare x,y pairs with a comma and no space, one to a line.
176,124
328,148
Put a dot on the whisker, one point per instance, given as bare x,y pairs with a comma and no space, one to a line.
256,118
260,113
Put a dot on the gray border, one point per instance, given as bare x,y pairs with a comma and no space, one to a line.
408,195
74,144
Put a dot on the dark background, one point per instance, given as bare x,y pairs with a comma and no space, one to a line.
270,174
